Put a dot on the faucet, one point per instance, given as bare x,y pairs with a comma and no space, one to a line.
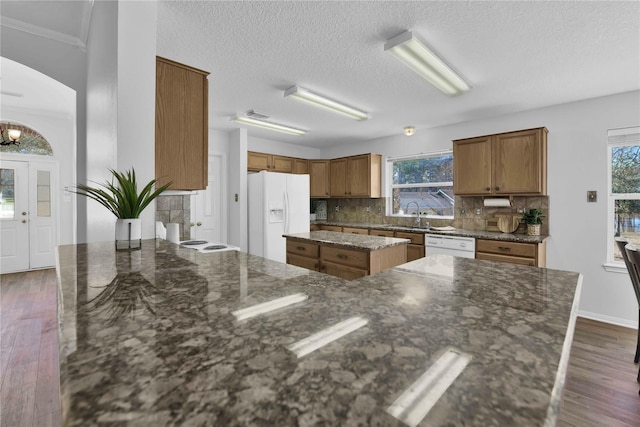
418,222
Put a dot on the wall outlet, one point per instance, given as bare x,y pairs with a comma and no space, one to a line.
592,196
337,208
367,209
478,211
520,210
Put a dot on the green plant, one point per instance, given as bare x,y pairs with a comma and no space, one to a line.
533,216
122,197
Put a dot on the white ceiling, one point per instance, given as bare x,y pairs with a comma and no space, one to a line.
516,56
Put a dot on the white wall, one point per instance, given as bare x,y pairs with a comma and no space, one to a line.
577,145
136,96
238,226
270,146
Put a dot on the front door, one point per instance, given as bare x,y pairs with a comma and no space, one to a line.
27,220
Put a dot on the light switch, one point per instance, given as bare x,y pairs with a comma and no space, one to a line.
592,196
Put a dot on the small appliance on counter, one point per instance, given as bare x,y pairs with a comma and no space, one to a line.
321,210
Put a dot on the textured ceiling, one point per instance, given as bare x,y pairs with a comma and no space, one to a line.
516,56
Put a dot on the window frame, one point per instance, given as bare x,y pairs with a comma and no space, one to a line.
389,186
624,137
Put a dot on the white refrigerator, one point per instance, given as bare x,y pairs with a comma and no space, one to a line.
278,204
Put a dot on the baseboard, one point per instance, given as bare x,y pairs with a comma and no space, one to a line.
608,319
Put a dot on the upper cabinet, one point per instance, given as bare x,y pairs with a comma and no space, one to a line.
181,148
356,176
319,177
273,163
512,163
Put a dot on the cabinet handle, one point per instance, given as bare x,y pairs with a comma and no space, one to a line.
488,188
24,213
199,223
504,248
24,221
497,188
300,248
342,256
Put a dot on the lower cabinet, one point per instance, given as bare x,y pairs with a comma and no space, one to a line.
534,254
346,263
415,249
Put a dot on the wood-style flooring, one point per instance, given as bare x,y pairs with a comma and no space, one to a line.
601,388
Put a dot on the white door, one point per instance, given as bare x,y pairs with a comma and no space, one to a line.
14,216
208,205
27,215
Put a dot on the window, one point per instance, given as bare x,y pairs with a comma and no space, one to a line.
421,183
624,188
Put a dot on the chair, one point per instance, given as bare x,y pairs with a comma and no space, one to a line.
635,278
633,256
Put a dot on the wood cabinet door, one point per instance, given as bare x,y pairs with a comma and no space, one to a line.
258,161
518,162
181,131
472,166
319,178
281,164
358,182
338,177
300,166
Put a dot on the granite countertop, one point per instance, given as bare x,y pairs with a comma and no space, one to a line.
149,338
348,240
478,234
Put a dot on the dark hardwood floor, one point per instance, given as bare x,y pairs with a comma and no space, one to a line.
601,388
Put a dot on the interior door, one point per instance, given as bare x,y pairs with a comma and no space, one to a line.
208,206
14,216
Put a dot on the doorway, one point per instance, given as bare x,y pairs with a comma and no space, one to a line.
208,207
28,232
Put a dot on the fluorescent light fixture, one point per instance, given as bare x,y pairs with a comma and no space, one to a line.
266,307
267,125
326,336
416,402
321,101
415,55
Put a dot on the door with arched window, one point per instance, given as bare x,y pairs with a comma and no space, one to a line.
28,231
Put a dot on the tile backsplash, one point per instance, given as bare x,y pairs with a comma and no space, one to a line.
175,209
470,212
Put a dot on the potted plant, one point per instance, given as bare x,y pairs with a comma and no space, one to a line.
533,218
122,198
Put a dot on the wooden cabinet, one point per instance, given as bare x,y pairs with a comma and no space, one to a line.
300,166
319,177
513,252
355,230
356,176
330,228
347,263
273,163
415,249
181,132
381,233
510,163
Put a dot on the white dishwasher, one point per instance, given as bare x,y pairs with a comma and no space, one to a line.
464,247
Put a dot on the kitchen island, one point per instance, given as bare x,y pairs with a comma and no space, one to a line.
349,256
154,337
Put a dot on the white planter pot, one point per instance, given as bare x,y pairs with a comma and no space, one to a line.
128,234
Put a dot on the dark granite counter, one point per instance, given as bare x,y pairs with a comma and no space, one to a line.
152,338
478,234
354,241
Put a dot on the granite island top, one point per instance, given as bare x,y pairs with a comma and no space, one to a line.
478,234
149,338
348,240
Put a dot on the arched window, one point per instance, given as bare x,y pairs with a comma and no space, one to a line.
30,141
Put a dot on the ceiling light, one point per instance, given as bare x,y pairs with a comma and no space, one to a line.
13,135
320,101
409,130
267,125
415,55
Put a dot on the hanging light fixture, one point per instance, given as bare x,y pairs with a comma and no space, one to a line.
13,135
409,130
